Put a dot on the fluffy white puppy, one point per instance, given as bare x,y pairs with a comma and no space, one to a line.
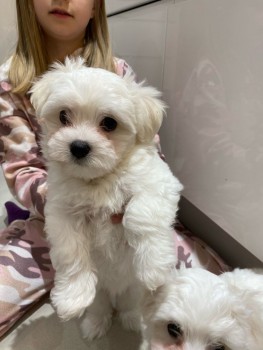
197,310
98,131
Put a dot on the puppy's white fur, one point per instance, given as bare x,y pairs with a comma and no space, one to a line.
97,262
212,312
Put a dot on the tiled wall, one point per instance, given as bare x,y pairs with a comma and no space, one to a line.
8,28
139,36
117,5
206,56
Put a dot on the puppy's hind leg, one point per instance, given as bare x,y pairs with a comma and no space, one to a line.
97,319
128,306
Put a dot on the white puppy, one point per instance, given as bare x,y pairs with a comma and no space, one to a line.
98,131
197,310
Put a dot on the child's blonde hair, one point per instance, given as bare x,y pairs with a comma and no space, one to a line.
30,59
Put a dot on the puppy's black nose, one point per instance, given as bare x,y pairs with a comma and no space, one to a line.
79,149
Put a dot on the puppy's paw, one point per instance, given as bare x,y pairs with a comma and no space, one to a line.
95,326
71,297
131,320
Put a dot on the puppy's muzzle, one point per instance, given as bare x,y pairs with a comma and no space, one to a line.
79,149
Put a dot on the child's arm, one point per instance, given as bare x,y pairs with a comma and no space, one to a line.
22,162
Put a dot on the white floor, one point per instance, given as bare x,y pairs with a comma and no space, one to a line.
42,330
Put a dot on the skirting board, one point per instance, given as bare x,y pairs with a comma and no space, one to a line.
203,227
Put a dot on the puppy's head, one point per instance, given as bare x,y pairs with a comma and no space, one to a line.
192,311
92,118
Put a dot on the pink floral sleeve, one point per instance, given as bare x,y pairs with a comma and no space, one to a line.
122,68
22,163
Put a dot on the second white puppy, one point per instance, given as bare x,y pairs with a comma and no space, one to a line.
197,310
98,131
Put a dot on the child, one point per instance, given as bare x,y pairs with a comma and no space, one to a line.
47,31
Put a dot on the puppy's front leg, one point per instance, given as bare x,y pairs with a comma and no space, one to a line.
75,278
148,229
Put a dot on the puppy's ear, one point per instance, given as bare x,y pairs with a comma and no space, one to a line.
40,91
43,86
150,110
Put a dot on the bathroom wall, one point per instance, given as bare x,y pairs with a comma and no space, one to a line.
8,28
117,5
206,57
140,37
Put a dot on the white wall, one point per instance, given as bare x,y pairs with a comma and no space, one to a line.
139,36
206,55
8,28
213,83
116,5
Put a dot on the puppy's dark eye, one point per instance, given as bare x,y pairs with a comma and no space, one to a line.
108,124
64,118
174,330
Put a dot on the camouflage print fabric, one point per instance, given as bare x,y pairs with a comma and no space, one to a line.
193,252
26,273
